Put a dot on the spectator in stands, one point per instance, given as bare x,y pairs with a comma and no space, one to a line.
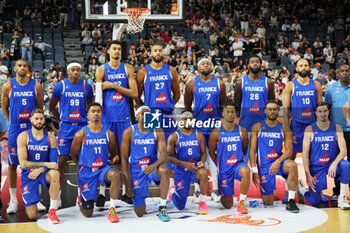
60,68
84,32
261,33
175,37
37,76
15,52
245,23
216,59
213,38
166,38
47,97
93,65
319,56
36,16
309,56
227,60
27,48
55,22
96,32
40,45
295,43
330,60
63,8
197,28
48,83
155,33
323,81
87,40
237,48
294,57
316,70
46,21
255,45
345,56
317,44
169,47
296,26
206,28
102,58
27,12
17,17
3,74
222,42
99,47
273,20
4,54
229,87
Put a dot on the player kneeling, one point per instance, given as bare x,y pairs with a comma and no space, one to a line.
267,138
90,150
37,154
186,150
226,146
324,150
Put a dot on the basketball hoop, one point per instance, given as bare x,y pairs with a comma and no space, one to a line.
136,19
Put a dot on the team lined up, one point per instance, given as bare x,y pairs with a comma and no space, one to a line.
93,138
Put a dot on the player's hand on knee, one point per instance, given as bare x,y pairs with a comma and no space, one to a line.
310,181
200,164
35,173
190,166
274,168
129,191
332,171
256,179
149,169
52,165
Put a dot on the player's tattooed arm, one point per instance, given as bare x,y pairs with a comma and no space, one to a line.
76,145
237,95
212,143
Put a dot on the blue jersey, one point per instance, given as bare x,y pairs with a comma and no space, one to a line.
22,103
270,143
94,150
254,96
324,146
143,149
187,149
72,99
37,150
229,151
303,102
113,100
206,97
157,88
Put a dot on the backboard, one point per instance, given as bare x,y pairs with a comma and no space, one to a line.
111,11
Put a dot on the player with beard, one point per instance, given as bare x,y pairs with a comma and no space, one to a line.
299,101
73,95
115,84
252,92
37,154
324,150
266,142
226,145
207,92
186,150
20,96
159,84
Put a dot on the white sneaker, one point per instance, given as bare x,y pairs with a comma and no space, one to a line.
41,207
196,199
59,203
215,196
13,207
343,203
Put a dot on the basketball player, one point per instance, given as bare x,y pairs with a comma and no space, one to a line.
37,154
92,146
187,146
115,84
73,95
299,101
226,145
207,92
338,96
324,150
266,142
251,93
159,84
20,96
141,164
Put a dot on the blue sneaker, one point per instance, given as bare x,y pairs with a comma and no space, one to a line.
163,214
285,199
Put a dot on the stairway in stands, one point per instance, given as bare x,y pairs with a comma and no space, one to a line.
72,48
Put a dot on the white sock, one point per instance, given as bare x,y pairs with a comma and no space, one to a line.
162,202
103,190
343,189
172,182
112,203
59,194
123,189
201,197
214,173
13,192
242,197
196,187
53,204
291,195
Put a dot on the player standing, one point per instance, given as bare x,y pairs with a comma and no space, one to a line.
226,146
266,142
20,96
73,95
37,153
92,147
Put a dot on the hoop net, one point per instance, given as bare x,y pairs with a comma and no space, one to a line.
136,19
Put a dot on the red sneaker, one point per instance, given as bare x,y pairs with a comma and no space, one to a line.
112,215
52,217
242,208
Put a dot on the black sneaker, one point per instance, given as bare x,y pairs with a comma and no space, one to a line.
100,202
127,199
292,206
334,201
